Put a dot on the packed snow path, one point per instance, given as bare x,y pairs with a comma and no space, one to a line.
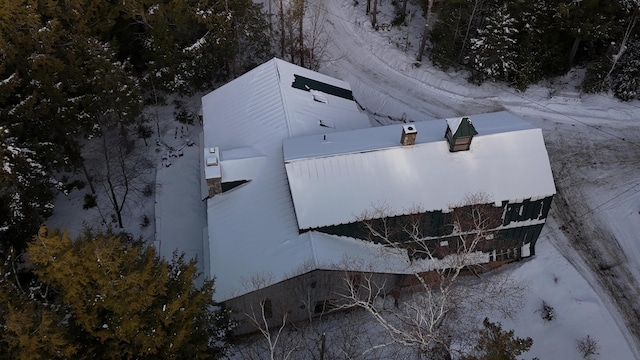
593,142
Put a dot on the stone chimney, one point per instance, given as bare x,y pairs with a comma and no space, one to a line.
409,134
212,171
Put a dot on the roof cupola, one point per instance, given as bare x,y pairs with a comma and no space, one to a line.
460,132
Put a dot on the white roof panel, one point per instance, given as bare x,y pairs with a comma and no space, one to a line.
253,235
337,180
252,230
241,164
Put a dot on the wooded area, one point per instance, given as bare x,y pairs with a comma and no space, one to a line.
522,43
77,73
104,296
72,70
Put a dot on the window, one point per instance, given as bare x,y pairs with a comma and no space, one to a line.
462,143
355,280
505,254
267,309
324,306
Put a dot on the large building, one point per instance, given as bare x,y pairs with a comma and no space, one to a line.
292,167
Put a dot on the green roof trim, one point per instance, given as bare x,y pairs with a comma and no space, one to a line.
307,84
465,128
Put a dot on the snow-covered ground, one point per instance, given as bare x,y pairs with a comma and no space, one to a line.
593,141
587,265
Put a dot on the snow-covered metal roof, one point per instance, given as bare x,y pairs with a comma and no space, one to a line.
337,178
280,113
252,230
241,164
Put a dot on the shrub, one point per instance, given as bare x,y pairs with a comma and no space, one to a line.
547,311
144,221
147,190
588,347
90,201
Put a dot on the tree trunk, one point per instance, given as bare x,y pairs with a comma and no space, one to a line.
114,199
404,8
89,178
425,33
368,6
292,38
323,340
574,50
111,189
270,21
282,28
300,30
155,100
623,43
374,14
476,4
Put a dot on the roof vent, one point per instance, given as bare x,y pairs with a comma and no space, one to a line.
212,160
327,124
319,96
409,133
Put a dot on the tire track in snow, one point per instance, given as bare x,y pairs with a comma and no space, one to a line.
365,70
422,94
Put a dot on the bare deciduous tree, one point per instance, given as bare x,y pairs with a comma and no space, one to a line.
588,347
296,320
124,166
633,16
435,306
300,32
425,33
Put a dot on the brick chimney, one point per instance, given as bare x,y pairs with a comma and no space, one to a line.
409,134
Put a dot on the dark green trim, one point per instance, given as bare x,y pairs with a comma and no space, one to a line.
527,210
437,224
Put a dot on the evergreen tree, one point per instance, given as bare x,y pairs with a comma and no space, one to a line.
108,297
626,79
594,22
496,344
493,48
452,18
188,45
541,48
26,194
57,77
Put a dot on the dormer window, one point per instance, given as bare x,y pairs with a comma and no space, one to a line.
459,134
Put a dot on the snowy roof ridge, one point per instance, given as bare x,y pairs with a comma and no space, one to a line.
387,137
287,116
332,184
